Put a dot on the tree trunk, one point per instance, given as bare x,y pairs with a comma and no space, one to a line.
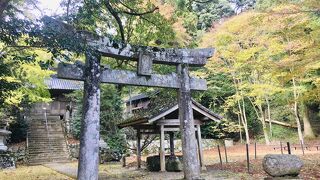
240,132
307,128
245,122
90,125
189,146
261,117
269,117
296,111
264,126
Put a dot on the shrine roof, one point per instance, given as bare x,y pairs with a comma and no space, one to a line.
141,96
199,111
62,84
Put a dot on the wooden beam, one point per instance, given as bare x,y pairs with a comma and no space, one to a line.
138,148
162,115
111,48
203,167
162,152
172,129
204,113
174,122
171,134
75,72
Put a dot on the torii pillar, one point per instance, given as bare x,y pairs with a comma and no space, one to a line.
88,166
189,147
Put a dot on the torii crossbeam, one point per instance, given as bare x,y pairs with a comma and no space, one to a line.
92,75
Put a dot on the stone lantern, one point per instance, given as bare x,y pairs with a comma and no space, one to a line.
3,135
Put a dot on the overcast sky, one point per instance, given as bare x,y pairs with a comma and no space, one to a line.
50,7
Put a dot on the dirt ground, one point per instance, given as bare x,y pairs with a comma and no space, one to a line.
237,164
236,168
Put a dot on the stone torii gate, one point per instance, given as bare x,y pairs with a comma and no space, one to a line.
92,74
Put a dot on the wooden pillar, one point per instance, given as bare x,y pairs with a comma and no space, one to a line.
89,137
189,147
162,153
171,144
139,148
203,167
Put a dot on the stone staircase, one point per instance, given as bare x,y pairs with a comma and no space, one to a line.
46,146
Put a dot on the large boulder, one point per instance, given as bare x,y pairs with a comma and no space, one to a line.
278,165
173,164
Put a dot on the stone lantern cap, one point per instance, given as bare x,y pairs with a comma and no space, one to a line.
4,132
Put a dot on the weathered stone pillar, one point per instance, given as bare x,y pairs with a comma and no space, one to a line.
138,148
162,152
171,144
89,137
189,147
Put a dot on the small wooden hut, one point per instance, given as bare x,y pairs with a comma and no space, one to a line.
167,122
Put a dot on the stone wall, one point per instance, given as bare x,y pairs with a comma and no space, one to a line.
155,145
107,155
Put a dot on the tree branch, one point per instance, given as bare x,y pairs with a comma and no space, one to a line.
202,2
115,14
140,14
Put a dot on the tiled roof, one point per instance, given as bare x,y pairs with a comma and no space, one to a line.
139,120
63,84
141,96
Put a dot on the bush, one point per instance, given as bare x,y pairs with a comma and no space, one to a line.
117,143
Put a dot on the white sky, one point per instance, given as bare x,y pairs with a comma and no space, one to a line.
50,7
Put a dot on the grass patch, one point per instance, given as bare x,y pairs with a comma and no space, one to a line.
32,173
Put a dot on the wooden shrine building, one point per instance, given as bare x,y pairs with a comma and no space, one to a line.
167,122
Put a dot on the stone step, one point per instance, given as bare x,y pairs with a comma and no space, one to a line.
45,134
43,126
46,141
43,122
43,144
50,129
46,157
44,149
44,130
37,156
45,137
43,155
42,117
35,163
41,149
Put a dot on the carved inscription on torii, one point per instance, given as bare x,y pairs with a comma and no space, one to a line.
92,75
